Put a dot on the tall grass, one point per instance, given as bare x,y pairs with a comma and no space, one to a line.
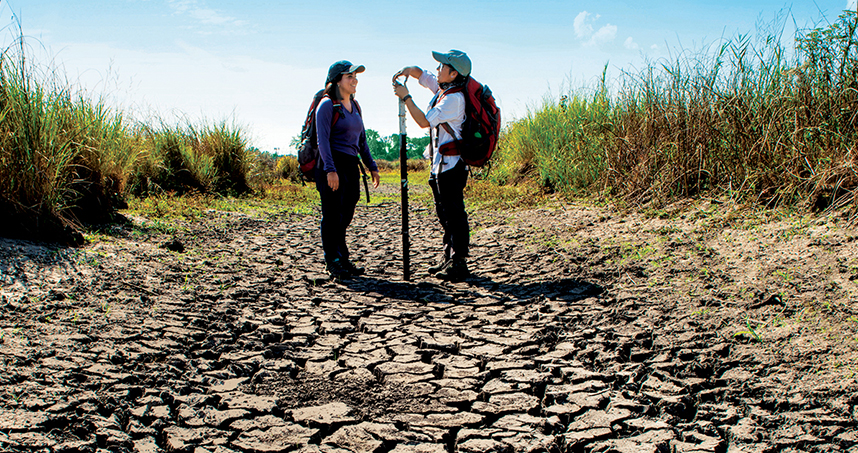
213,158
749,119
68,160
62,157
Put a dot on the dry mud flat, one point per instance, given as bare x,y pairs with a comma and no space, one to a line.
580,330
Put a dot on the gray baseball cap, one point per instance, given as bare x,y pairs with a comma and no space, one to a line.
342,67
457,59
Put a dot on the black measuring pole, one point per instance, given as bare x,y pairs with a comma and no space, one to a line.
403,172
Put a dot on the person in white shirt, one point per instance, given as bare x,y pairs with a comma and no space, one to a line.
449,175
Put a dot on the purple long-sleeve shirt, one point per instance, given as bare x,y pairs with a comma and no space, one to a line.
347,136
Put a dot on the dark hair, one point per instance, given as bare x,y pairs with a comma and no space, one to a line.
460,79
332,90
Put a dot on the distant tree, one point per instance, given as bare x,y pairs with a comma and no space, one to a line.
416,146
295,142
377,145
387,148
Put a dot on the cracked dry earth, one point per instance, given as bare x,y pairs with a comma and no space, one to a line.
580,330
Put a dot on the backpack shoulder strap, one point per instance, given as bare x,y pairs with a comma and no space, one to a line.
338,108
454,90
441,94
451,90
310,121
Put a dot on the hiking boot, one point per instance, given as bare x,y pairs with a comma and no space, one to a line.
456,270
440,266
352,269
336,269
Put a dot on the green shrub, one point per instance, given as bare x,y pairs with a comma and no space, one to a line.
288,168
223,156
213,158
559,146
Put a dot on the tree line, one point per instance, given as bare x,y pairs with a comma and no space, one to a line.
387,147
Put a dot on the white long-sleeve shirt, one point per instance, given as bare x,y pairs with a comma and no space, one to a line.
450,109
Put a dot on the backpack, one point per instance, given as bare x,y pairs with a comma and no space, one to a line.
308,150
481,128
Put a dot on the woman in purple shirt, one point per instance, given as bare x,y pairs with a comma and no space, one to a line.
342,144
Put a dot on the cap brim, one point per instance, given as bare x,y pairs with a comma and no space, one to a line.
440,57
355,68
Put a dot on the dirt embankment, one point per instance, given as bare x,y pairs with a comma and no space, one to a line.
581,330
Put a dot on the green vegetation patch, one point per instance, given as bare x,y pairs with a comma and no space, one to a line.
746,119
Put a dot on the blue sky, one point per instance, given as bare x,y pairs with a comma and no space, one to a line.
258,63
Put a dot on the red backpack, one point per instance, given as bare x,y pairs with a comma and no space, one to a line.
481,128
308,150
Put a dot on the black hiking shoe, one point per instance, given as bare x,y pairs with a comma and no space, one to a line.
456,270
440,266
337,270
352,269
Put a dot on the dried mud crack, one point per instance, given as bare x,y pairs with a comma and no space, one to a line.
580,330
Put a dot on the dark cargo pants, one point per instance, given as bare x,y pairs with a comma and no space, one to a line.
448,189
338,207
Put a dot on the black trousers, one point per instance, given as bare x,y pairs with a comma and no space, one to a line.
448,188
338,207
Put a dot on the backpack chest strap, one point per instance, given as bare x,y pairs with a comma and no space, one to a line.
445,125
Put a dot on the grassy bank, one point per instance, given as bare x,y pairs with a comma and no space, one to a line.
68,160
751,120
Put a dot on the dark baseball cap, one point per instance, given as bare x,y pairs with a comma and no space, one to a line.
342,67
457,59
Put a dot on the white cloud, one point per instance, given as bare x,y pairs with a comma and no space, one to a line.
851,5
584,30
605,34
182,6
202,14
630,44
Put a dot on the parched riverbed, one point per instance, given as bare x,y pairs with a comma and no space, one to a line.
580,330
